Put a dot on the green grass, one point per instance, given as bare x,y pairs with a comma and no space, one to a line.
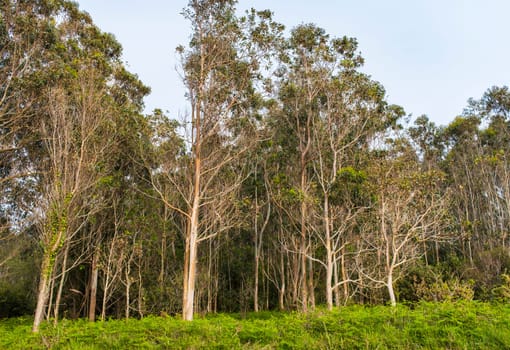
466,325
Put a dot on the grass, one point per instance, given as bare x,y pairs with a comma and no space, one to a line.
466,325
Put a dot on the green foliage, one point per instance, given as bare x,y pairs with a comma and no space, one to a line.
452,289
502,292
466,325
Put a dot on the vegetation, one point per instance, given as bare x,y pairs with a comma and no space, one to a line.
292,183
425,326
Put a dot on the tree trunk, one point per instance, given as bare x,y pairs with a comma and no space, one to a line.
329,256
94,272
51,290
161,277
257,254
191,247
391,292
304,240
336,290
42,294
311,287
256,286
281,294
61,285
344,276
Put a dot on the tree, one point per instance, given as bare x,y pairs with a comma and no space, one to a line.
409,208
75,140
219,71
352,112
64,87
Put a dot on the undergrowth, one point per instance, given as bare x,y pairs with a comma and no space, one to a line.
462,325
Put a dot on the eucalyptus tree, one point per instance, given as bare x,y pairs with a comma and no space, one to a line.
327,109
23,38
477,163
352,112
494,109
462,140
300,86
63,91
409,207
220,70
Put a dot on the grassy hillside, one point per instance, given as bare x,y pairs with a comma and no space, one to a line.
427,326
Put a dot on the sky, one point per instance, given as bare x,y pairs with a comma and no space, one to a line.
430,55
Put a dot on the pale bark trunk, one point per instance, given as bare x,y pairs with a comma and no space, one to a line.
190,259
391,292
336,290
257,255
281,294
256,287
141,305
210,282
311,287
294,275
304,285
189,283
128,301
42,294
329,256
61,285
50,297
344,276
304,240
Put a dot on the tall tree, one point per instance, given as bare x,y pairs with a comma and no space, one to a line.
219,69
409,208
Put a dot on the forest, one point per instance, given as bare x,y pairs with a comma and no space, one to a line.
291,184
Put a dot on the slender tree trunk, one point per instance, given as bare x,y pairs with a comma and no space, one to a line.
344,275
257,254
336,290
105,294
43,291
391,291
127,273
281,294
209,282
304,239
256,286
329,255
186,267
161,277
141,304
189,283
311,286
294,275
50,297
93,285
190,260
61,285
128,301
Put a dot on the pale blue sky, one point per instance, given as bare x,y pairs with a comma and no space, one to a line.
430,55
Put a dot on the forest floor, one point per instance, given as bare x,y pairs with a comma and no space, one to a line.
464,325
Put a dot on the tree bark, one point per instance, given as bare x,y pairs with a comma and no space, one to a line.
61,285
391,292
304,238
94,272
42,294
189,282
329,256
